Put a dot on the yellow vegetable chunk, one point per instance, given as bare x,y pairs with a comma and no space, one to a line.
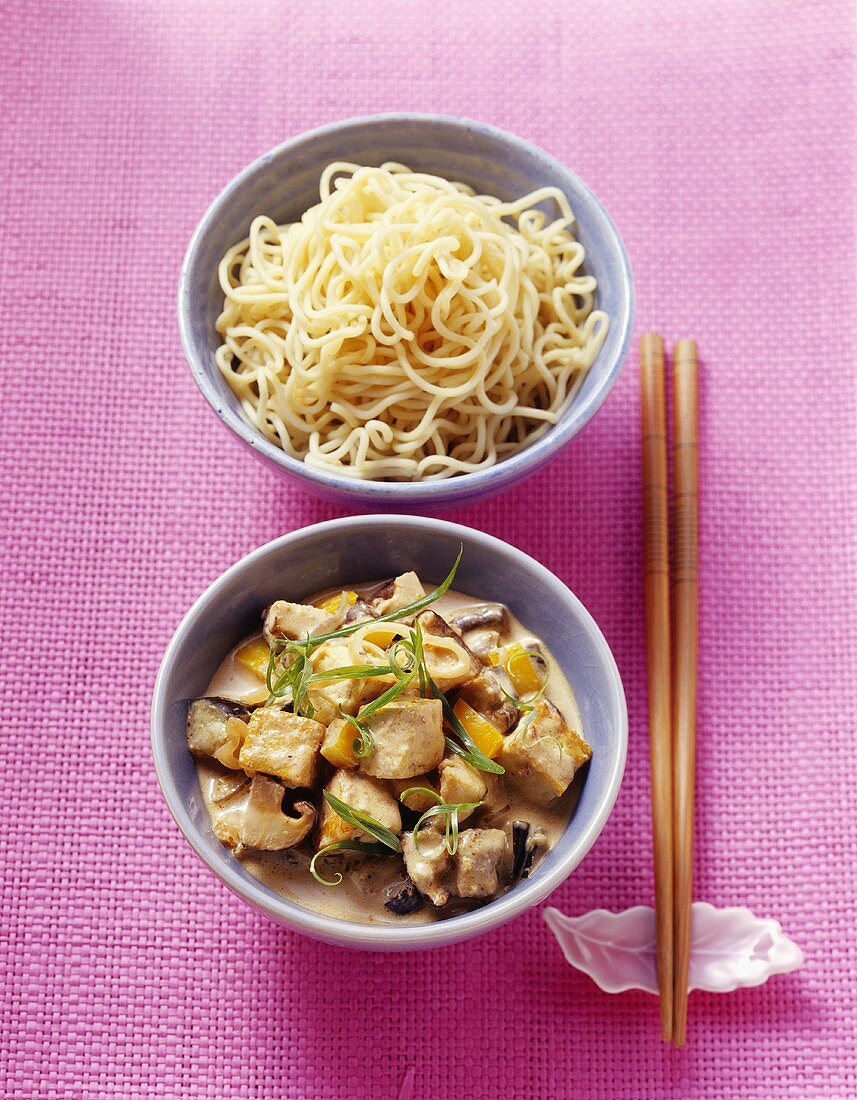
381,637
520,668
331,604
419,802
338,744
486,736
254,656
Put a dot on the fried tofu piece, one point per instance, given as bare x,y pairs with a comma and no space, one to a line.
396,594
461,782
327,696
360,792
282,744
295,621
485,695
408,736
428,865
542,754
448,659
479,861
207,720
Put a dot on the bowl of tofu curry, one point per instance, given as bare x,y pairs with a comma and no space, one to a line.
389,752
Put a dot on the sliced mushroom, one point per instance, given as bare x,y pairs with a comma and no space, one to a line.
261,824
484,644
520,833
525,846
358,611
227,785
481,617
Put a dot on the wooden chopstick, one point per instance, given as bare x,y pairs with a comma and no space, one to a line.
684,597
656,565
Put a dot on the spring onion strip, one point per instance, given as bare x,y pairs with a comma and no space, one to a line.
388,696
363,822
428,791
295,679
364,743
448,810
343,846
351,672
468,748
527,703
403,612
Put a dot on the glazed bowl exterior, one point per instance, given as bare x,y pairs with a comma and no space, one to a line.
362,548
284,183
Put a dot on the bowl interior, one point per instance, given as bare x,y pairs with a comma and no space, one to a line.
284,183
364,548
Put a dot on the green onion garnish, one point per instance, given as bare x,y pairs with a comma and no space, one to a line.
363,822
403,612
348,846
468,748
449,810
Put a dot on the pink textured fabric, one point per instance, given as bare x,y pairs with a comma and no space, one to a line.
721,139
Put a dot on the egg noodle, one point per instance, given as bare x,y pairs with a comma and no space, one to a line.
406,328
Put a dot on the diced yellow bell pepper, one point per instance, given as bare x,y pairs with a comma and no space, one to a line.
523,672
380,637
485,736
254,656
332,602
521,668
338,744
418,801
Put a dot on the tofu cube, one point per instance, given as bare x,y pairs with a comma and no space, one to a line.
408,736
478,862
360,792
428,865
327,696
461,782
295,621
396,594
542,754
282,744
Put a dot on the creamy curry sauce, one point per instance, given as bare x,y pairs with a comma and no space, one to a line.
369,881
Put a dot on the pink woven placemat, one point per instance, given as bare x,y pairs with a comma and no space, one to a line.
721,139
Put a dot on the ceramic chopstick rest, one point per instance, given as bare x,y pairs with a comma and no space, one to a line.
730,948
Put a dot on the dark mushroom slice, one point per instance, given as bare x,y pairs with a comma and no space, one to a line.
406,900
383,591
485,694
520,833
206,723
524,849
358,611
493,616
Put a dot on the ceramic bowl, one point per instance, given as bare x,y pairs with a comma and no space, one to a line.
284,183
342,552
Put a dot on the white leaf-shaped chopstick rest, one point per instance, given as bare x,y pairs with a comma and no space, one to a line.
729,948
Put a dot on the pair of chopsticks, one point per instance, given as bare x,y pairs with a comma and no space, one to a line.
671,640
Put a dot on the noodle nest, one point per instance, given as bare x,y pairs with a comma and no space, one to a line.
406,328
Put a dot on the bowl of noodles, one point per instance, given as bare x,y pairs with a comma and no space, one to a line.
406,310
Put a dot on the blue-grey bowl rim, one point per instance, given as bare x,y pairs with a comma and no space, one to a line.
405,493
378,936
